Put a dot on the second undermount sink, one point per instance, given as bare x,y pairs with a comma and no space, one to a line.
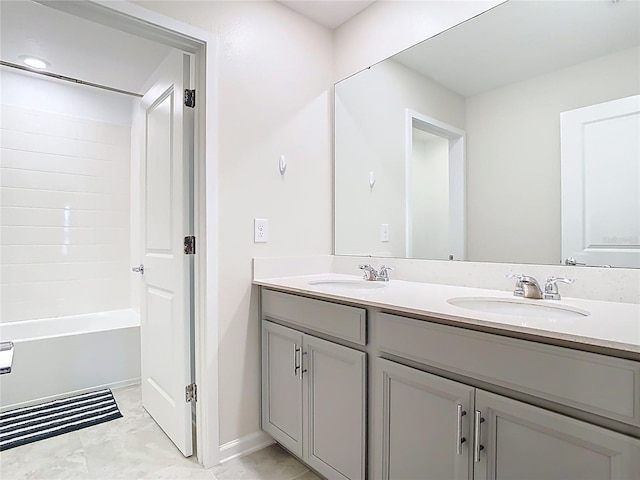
347,284
518,307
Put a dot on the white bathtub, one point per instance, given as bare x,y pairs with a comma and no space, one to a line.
56,357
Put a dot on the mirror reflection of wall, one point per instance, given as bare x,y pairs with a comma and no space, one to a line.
504,78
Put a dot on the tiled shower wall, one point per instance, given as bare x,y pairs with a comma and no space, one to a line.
64,211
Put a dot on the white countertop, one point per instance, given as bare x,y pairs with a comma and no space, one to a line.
612,325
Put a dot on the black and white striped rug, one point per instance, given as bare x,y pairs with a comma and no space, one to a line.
29,424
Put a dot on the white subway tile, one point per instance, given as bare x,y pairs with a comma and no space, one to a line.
32,142
114,134
64,215
45,162
75,298
62,182
57,272
17,197
63,236
18,254
60,217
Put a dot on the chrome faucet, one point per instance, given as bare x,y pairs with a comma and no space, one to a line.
370,273
531,287
373,275
526,286
551,287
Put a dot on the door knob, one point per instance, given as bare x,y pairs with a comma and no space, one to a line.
139,269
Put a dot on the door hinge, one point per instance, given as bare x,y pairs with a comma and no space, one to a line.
190,245
189,98
191,393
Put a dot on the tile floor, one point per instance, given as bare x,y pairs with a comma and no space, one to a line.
134,447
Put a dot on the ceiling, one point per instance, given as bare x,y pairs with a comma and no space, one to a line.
468,59
518,40
76,47
331,14
81,49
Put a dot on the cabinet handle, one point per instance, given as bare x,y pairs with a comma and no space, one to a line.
476,439
296,364
459,438
302,370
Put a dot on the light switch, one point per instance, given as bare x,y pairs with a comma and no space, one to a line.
384,232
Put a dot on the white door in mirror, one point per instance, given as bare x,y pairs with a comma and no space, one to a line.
600,151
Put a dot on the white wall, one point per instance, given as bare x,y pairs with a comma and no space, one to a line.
64,189
370,124
513,156
274,77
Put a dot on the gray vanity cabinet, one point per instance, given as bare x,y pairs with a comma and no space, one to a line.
282,385
443,398
521,441
417,426
314,400
424,432
428,431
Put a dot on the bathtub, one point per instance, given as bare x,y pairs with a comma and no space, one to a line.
61,356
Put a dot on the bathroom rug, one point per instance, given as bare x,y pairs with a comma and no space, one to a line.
30,424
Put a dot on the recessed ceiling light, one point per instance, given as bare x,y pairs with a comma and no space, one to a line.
35,63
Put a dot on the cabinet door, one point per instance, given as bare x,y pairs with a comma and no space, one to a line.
282,385
420,425
335,409
525,442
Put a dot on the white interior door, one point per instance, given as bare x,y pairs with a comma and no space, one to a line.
600,150
165,220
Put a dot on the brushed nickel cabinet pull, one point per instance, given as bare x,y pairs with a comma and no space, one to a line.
476,439
296,365
302,370
459,438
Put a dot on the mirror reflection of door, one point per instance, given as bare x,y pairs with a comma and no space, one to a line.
429,195
434,189
601,183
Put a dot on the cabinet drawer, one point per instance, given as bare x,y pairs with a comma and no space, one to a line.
340,321
599,384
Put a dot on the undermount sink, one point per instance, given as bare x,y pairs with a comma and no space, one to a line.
347,284
518,307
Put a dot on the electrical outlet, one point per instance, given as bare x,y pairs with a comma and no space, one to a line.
260,230
384,232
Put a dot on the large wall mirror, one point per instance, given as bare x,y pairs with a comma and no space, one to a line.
512,137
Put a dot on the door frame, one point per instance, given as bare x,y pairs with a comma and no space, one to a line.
457,179
139,21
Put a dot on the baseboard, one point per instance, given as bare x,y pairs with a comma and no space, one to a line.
244,446
37,401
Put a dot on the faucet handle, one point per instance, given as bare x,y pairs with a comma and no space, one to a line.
551,287
519,288
514,275
383,274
